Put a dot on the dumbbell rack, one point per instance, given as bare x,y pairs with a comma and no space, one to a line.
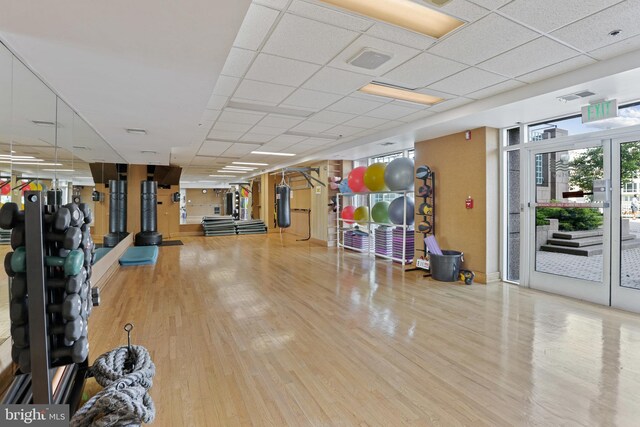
37,386
430,218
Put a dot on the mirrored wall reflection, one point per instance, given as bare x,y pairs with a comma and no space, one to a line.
44,145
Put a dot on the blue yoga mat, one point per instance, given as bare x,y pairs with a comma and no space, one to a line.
100,252
140,255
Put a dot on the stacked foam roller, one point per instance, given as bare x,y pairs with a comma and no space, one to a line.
69,253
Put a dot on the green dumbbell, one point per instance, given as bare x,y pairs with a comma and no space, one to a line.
72,263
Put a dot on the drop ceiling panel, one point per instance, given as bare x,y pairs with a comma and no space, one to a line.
274,146
238,62
467,81
354,106
344,130
317,142
209,116
203,161
531,56
337,81
213,148
491,4
266,130
624,46
464,10
232,127
301,148
423,70
275,121
311,127
390,125
226,85
365,122
257,137
224,134
419,115
391,112
332,117
593,32
538,13
217,102
245,118
255,27
400,36
496,89
557,69
263,92
287,139
277,4
398,53
284,71
241,149
449,104
310,99
329,16
483,39
307,40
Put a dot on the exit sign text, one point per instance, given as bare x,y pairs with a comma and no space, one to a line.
600,111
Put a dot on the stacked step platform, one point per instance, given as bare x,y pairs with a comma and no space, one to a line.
226,226
584,243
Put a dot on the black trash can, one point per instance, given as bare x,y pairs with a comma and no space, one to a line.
445,267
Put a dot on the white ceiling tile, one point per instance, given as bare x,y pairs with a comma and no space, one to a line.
464,10
256,137
519,61
424,69
238,62
390,125
413,105
217,102
537,13
255,27
557,69
400,35
318,142
266,130
310,99
226,85
332,117
372,98
287,139
276,4
365,122
450,104
329,16
337,81
398,53
209,116
613,50
491,4
391,112
261,91
483,39
203,161
284,71
231,127
310,126
417,116
245,118
353,106
345,131
307,40
241,149
224,134
301,148
496,89
213,148
467,81
593,32
275,121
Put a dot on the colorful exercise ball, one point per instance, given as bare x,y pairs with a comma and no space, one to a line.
397,210
374,177
399,174
344,186
380,212
347,214
361,214
6,189
356,179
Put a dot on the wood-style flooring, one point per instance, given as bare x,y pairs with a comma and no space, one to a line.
256,330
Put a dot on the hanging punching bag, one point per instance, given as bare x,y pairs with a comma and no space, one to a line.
283,209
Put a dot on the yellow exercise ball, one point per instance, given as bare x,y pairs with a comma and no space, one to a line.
361,214
374,177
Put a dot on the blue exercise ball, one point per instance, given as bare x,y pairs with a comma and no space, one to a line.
344,186
396,210
398,174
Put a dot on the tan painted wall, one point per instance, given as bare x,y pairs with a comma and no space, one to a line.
466,168
201,204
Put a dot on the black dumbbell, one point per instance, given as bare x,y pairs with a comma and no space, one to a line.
95,296
18,286
70,239
19,311
71,284
7,264
78,352
20,336
86,211
71,330
77,218
22,356
10,216
69,309
87,241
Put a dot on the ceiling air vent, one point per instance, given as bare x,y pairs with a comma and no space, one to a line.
585,94
575,95
369,59
386,144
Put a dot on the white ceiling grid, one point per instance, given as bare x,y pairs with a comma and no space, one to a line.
295,54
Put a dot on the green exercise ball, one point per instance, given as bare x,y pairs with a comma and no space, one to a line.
380,212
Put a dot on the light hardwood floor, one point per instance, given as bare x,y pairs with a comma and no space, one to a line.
255,330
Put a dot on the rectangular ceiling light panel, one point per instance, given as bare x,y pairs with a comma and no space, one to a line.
403,13
401,94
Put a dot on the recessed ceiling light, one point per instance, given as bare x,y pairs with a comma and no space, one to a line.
222,176
15,163
403,13
43,123
136,131
388,91
228,171
7,156
268,153
250,164
313,135
57,170
239,168
268,109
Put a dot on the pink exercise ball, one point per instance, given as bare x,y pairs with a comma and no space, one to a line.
347,213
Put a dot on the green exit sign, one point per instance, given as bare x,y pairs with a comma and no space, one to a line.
600,111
